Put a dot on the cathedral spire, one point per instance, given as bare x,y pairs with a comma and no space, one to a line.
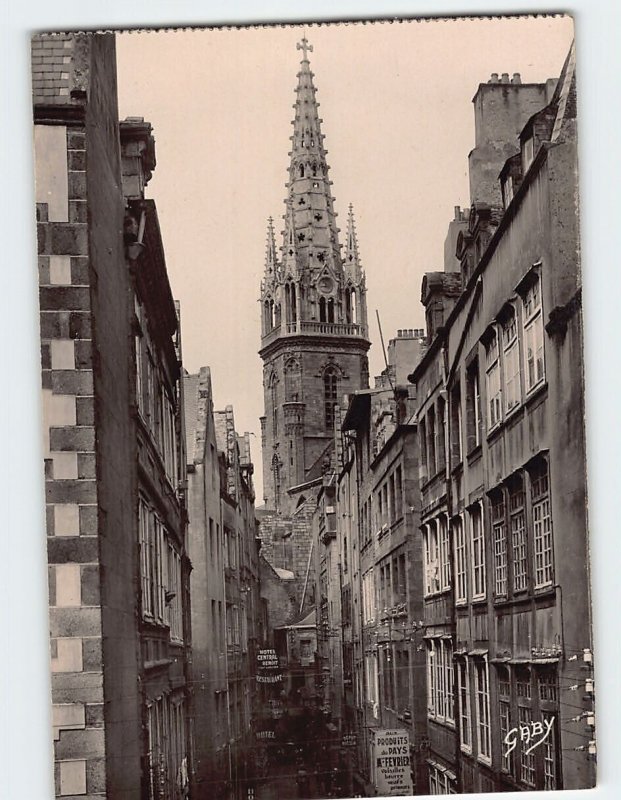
312,221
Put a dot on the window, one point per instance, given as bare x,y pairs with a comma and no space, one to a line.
430,541
441,780
231,545
477,554
499,533
154,564
140,373
463,678
445,553
542,527
461,591
168,444
473,406
174,594
507,191
456,431
511,357
146,558
441,435
330,395
504,713
422,450
431,441
150,404
481,689
492,372
519,547
292,380
368,596
274,403
549,755
527,760
533,336
398,493
440,679
528,153
372,680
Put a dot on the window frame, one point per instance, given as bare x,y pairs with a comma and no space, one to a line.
483,720
493,380
465,708
477,568
541,535
512,370
461,560
532,328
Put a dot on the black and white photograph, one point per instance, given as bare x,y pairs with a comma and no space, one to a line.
313,409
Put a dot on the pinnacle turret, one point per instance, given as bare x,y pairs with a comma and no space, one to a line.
352,266
271,260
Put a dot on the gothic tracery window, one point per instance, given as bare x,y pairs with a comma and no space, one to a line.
330,383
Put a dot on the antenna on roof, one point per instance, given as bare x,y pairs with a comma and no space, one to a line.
379,325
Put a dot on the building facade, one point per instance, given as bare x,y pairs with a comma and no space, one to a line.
380,561
501,437
113,438
244,632
210,711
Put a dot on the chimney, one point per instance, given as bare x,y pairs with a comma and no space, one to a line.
517,78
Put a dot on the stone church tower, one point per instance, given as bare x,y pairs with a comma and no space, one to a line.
314,316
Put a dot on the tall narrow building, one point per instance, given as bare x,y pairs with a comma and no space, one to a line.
314,319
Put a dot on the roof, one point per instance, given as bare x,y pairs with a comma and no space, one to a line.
309,621
359,409
285,574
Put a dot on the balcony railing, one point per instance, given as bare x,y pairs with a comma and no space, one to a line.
316,329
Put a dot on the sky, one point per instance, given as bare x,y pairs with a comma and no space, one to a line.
395,99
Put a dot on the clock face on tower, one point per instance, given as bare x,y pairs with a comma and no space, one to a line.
325,284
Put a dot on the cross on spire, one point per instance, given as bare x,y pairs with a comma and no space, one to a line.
305,47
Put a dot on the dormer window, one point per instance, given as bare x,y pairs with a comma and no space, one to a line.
507,191
528,153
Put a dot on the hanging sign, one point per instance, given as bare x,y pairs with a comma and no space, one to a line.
390,760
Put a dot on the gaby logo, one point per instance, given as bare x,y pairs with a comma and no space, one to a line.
531,734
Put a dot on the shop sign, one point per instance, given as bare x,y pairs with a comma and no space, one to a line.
349,740
390,762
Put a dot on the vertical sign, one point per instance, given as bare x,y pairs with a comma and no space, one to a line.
390,760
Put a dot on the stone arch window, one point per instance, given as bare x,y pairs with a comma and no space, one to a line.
291,313
323,315
314,169
350,305
276,476
268,311
274,403
330,393
292,380
330,309
301,170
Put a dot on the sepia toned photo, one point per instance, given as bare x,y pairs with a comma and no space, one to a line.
313,410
